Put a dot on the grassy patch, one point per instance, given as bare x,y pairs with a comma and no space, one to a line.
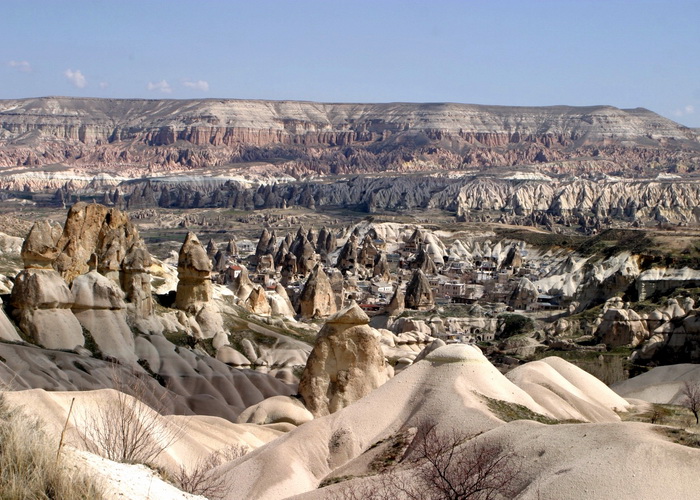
509,412
29,467
335,480
681,436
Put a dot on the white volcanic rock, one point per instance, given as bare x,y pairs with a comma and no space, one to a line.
99,307
346,363
43,301
7,329
567,391
448,388
661,385
275,410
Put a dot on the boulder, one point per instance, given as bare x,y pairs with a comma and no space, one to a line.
346,363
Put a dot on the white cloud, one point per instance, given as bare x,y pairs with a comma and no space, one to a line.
104,85
161,86
200,85
22,66
689,109
76,78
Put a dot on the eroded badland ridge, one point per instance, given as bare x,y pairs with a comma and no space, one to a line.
333,138
520,165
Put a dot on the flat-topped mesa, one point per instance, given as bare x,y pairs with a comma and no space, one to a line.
194,275
229,122
354,138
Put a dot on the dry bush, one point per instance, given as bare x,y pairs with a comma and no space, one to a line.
691,397
201,479
126,429
445,465
29,468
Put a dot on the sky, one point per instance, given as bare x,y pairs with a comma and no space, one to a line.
629,54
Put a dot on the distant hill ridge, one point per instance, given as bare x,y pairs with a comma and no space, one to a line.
328,137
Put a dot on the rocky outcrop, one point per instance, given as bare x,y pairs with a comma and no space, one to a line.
257,302
345,364
348,137
42,302
347,258
94,229
525,294
99,307
317,299
7,329
194,275
39,249
622,327
418,294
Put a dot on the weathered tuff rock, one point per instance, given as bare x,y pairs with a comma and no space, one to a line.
257,302
94,229
317,299
39,249
99,307
622,327
524,294
42,302
7,330
346,363
194,275
347,258
274,410
419,295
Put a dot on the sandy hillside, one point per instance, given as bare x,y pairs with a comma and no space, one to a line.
447,387
660,385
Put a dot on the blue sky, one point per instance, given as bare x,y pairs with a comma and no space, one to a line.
633,53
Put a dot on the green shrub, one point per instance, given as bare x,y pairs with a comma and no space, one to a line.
514,324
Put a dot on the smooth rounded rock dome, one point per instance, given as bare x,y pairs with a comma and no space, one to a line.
456,353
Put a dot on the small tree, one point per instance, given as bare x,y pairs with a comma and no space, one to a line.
691,397
446,465
125,429
202,479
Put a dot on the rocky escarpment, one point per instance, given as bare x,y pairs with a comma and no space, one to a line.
519,198
331,138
